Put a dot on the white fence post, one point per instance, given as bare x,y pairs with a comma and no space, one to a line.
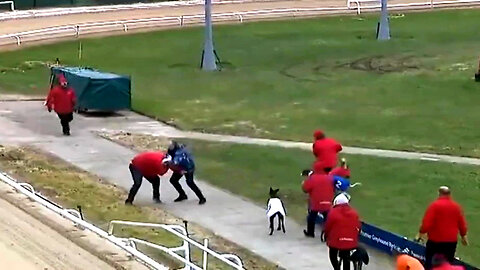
125,27
205,254
18,40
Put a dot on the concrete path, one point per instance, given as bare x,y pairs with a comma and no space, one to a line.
227,215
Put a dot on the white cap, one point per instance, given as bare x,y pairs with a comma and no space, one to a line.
341,198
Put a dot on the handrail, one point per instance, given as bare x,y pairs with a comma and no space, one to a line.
10,3
67,213
180,232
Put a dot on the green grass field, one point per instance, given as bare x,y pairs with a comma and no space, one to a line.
394,194
283,79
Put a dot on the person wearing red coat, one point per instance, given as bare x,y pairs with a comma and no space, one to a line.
442,222
320,189
326,150
341,230
61,99
147,165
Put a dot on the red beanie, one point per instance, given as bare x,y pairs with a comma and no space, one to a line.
318,134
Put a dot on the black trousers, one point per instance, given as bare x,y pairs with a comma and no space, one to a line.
311,221
344,256
175,181
446,248
65,120
137,182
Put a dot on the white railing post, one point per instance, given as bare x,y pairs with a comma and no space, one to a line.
205,254
18,40
181,20
431,3
125,27
358,7
77,30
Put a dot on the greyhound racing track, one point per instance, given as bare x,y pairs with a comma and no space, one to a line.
28,244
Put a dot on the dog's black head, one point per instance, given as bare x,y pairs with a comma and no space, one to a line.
306,172
273,192
360,255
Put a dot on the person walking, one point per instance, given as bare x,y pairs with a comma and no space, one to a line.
442,222
320,189
325,150
406,262
148,165
181,162
61,99
341,230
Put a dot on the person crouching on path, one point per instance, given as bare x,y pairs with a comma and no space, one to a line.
147,165
341,230
61,99
325,150
442,222
181,162
320,189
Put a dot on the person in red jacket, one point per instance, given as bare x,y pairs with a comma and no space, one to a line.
62,100
325,150
320,189
341,230
439,262
442,222
147,165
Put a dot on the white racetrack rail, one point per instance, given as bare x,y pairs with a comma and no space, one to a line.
71,31
36,13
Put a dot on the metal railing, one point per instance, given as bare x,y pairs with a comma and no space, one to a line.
180,21
74,216
179,231
10,3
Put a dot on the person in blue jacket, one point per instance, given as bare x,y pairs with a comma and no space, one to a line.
181,162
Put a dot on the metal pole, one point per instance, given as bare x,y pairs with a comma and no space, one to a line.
205,254
208,56
384,28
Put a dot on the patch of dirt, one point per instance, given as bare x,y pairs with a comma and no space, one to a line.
382,64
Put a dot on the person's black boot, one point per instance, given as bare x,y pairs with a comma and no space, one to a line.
181,198
307,234
202,201
157,200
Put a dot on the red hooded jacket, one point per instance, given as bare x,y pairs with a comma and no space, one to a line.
150,163
342,227
444,220
321,191
325,150
61,100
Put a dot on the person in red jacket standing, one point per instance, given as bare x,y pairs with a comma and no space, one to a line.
147,165
442,222
320,189
341,230
325,150
62,100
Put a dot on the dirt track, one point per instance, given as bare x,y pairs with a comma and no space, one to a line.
11,26
26,243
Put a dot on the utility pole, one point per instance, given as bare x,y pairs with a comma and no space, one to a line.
383,32
208,56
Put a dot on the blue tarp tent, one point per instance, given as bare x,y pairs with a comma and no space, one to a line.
96,90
